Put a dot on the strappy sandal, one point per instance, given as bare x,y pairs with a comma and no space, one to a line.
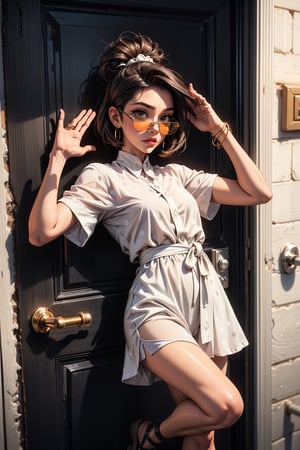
135,445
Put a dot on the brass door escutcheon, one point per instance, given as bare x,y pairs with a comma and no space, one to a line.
43,320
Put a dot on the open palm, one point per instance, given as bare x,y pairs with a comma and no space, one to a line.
68,139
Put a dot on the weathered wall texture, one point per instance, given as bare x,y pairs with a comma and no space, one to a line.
286,229
10,404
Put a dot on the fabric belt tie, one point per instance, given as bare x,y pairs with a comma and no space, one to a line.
195,258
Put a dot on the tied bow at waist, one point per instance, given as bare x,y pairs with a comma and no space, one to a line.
194,255
195,258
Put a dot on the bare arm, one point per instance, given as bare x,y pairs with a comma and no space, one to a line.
49,219
250,187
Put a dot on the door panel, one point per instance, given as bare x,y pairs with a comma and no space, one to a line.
72,376
100,377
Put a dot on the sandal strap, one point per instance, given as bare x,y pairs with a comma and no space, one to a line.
146,437
157,432
155,444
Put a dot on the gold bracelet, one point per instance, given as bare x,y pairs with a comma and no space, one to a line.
216,142
221,130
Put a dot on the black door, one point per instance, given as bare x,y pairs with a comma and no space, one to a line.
73,397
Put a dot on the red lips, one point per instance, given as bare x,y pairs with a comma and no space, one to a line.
150,141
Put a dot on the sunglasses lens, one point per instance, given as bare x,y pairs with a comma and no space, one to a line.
164,127
168,127
141,125
173,127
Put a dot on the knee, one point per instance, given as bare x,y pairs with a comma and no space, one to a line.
230,409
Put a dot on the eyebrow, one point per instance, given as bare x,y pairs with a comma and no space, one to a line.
171,108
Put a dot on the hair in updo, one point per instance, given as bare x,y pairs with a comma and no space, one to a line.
122,81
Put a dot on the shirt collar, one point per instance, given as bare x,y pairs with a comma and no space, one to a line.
134,165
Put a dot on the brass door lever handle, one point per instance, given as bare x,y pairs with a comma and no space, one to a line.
43,320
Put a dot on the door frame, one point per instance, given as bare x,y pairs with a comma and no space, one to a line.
260,129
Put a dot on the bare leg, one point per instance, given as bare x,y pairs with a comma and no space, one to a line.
198,441
210,400
204,440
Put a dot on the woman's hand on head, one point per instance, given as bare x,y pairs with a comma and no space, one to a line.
68,138
204,117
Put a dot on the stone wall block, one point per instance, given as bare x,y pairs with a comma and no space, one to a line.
286,202
284,423
285,380
281,161
296,34
283,20
291,5
286,339
296,160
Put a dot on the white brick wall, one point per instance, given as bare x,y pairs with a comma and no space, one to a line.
286,228
283,31
292,5
296,160
281,161
296,34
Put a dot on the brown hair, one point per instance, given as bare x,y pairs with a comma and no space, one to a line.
123,81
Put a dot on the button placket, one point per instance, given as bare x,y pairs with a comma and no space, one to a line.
175,215
172,206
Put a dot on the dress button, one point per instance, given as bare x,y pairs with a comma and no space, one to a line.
206,326
175,212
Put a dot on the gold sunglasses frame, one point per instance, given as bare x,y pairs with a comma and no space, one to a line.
174,122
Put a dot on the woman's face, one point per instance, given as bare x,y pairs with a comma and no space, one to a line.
142,138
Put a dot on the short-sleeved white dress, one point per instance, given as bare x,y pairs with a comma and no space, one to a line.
154,213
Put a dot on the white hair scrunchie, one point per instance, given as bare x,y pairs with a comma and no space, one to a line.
138,58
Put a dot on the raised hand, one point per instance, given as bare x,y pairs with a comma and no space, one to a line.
204,117
68,139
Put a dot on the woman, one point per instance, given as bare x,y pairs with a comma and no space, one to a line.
176,305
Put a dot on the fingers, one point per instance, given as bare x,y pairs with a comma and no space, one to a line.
82,121
202,115
61,118
87,119
68,138
76,122
201,100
